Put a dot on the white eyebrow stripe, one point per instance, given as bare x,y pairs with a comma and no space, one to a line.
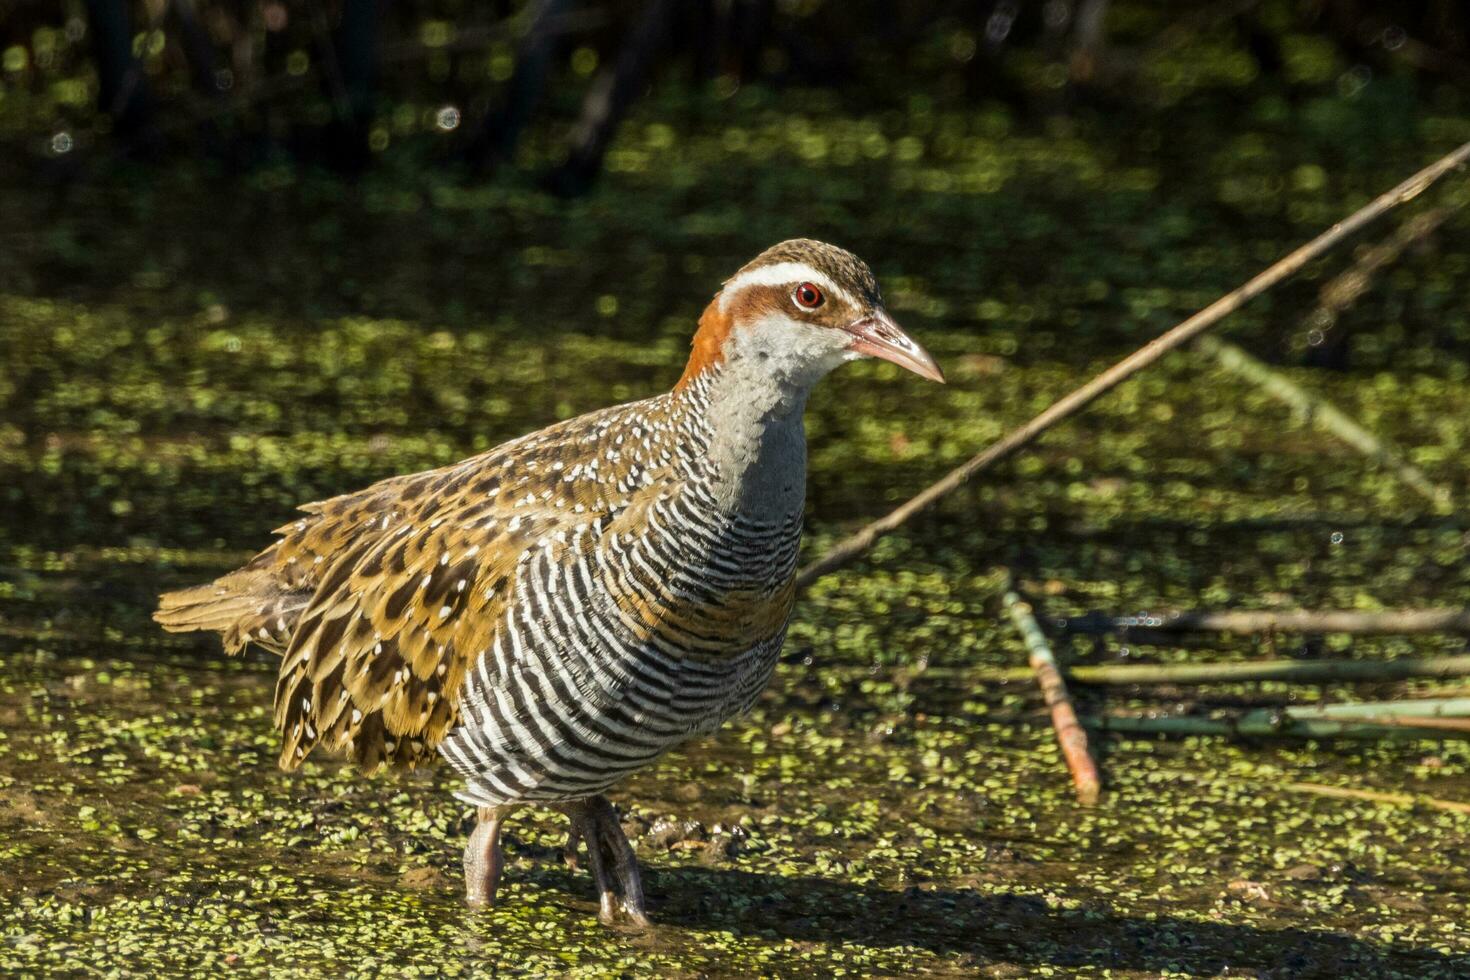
780,274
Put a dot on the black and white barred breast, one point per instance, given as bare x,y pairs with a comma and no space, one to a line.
627,642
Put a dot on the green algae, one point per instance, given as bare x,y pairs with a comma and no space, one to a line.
170,394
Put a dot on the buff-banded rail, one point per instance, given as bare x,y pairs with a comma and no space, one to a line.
556,613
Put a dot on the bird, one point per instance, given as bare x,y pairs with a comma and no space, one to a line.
556,613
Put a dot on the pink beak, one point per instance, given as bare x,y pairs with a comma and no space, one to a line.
876,335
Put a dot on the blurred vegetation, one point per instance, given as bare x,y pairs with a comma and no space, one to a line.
203,326
546,83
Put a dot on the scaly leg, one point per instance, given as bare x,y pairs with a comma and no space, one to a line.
609,857
569,849
483,857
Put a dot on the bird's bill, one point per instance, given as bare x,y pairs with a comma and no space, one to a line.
876,335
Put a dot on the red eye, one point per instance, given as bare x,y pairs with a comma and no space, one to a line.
807,296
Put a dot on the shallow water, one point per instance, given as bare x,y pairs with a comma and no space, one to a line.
175,386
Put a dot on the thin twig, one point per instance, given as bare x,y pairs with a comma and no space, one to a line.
612,93
1415,709
1417,721
1070,734
1377,796
854,545
1345,288
1271,723
1392,622
1322,412
331,64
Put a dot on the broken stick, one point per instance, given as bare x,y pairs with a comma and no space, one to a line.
1070,734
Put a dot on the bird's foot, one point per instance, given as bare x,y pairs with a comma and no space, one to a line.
610,859
484,858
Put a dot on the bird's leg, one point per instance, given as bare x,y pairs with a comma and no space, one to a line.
624,862
584,828
610,858
569,849
483,857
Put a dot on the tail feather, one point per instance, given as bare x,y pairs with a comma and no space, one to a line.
243,607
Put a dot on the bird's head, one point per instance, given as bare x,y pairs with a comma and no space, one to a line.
798,310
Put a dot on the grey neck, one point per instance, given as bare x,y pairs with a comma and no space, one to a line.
755,401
